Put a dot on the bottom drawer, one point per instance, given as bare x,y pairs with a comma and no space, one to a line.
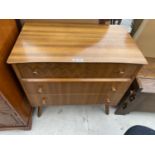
61,99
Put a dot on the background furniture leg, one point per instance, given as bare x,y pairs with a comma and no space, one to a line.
106,106
39,111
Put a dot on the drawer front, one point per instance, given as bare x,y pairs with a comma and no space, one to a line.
75,87
61,99
56,99
77,70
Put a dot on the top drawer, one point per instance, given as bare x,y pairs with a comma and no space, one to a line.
77,70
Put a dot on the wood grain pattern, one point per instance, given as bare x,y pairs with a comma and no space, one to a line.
10,92
75,99
69,93
77,70
75,88
75,63
78,21
65,99
51,42
73,80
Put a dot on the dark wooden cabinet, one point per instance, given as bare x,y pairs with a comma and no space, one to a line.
8,115
141,94
15,112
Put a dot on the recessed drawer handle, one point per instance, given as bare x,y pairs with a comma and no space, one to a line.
44,100
40,90
113,89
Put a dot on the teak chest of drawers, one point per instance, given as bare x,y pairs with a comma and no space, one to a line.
75,63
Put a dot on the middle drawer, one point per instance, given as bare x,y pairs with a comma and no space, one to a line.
75,87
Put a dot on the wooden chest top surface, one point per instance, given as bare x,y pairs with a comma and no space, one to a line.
55,42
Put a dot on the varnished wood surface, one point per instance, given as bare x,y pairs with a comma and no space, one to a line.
10,91
69,93
68,90
47,42
78,93
76,87
65,80
77,70
65,99
77,21
75,99
8,36
75,63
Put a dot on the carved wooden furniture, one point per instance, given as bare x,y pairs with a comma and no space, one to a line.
141,94
15,112
75,63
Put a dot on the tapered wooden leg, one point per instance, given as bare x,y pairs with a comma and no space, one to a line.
39,111
106,107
